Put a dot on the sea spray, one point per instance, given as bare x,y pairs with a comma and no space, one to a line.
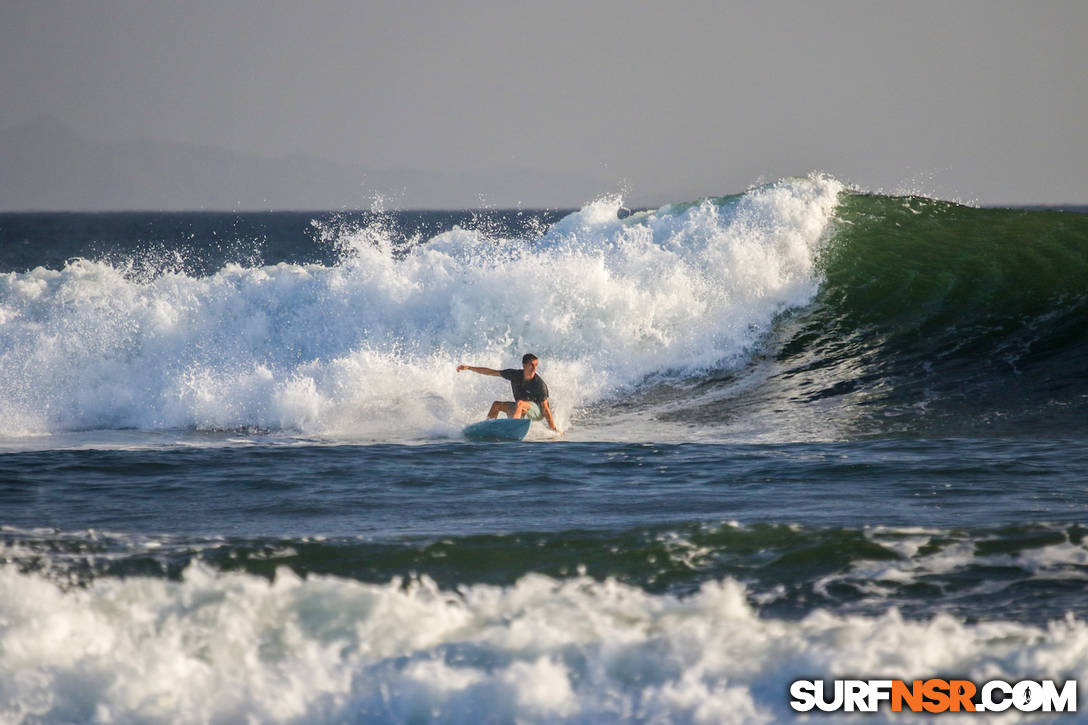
367,348
885,479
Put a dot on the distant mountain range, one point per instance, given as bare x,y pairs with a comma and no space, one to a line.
46,166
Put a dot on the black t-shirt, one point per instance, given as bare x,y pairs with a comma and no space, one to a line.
535,390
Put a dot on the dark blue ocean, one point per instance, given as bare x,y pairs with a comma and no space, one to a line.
807,433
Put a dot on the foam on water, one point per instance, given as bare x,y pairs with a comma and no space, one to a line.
367,348
217,647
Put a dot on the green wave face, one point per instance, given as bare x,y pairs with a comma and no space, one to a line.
915,267
789,570
933,311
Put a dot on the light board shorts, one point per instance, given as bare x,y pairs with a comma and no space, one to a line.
534,412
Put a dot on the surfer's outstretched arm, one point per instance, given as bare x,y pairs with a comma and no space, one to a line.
481,371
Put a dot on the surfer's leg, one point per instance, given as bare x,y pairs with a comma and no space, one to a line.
500,407
520,408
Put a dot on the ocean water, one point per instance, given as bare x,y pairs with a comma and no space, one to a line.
809,432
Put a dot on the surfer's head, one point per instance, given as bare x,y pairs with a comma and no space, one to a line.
528,363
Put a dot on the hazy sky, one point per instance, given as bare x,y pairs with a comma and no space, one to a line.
983,101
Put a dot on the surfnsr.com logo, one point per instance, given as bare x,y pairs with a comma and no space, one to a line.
934,696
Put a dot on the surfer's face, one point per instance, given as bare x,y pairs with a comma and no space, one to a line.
530,367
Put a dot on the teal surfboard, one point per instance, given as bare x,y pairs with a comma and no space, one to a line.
502,429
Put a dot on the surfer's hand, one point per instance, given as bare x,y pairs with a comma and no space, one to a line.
462,367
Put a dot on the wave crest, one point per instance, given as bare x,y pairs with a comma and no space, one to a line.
367,347
236,647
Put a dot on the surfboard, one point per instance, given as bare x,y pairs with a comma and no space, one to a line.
504,429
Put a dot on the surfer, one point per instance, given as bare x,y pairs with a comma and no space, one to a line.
530,391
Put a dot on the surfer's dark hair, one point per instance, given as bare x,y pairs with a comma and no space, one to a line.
527,357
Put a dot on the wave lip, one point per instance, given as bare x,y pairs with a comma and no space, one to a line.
945,319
